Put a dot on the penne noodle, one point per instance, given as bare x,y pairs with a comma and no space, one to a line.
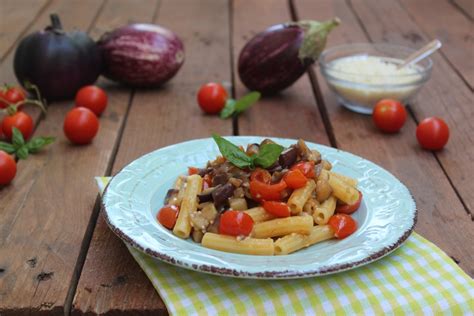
291,243
348,180
283,226
189,205
259,214
299,197
247,245
343,191
322,213
239,204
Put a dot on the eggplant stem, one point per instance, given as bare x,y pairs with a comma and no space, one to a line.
55,22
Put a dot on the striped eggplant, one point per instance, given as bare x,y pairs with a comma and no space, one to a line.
275,58
141,55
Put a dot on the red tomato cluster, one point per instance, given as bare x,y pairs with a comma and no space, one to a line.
390,115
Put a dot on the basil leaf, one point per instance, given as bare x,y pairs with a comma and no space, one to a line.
17,139
268,154
6,147
22,152
38,143
228,109
246,101
232,153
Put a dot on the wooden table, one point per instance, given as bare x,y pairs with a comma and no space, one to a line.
56,252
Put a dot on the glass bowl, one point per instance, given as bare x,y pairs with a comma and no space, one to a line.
359,91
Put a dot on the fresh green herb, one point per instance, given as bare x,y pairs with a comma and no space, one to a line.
22,149
235,107
266,157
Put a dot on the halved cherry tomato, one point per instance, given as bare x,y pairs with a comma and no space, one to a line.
20,120
212,98
193,170
167,216
235,223
279,209
432,133
11,95
306,167
343,225
349,208
261,175
206,181
295,179
266,192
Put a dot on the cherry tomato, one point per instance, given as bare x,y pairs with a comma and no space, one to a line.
432,133
235,223
192,170
266,192
389,115
80,125
20,120
306,167
349,208
295,179
7,168
167,216
212,98
93,98
12,95
261,175
343,225
279,209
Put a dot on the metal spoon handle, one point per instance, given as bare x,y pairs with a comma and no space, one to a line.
423,52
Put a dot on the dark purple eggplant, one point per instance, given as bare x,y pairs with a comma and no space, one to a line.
141,55
275,58
58,63
288,157
221,195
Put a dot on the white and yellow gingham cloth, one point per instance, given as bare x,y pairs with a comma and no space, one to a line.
418,278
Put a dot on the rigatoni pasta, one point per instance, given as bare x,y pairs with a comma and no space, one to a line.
274,202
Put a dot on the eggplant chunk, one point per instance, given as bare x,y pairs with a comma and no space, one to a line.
220,178
287,157
172,193
222,194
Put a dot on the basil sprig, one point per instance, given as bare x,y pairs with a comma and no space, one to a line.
22,149
266,156
235,107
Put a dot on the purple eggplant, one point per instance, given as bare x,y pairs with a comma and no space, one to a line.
141,55
275,58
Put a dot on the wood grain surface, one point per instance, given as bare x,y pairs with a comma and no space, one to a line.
169,115
465,6
441,216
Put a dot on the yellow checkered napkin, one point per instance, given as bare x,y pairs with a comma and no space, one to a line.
418,278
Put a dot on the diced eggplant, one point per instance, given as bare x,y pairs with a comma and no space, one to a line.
220,178
267,141
287,157
169,195
252,149
221,195
206,195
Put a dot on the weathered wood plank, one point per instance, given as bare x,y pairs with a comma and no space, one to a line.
293,113
46,211
16,16
465,6
441,217
445,95
158,118
441,20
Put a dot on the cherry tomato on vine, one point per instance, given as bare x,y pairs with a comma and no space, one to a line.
389,115
12,95
279,209
81,125
20,120
93,98
167,216
432,133
212,97
235,223
343,225
7,168
349,208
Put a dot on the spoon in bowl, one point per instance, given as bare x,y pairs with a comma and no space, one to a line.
423,52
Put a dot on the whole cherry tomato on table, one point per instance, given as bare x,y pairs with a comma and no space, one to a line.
11,95
279,209
343,225
389,115
432,133
167,216
93,98
20,120
212,98
81,125
235,223
349,208
7,168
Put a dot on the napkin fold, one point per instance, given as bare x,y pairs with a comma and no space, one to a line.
417,278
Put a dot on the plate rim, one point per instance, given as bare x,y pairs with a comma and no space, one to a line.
269,275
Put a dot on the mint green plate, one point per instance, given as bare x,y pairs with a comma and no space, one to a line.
386,217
